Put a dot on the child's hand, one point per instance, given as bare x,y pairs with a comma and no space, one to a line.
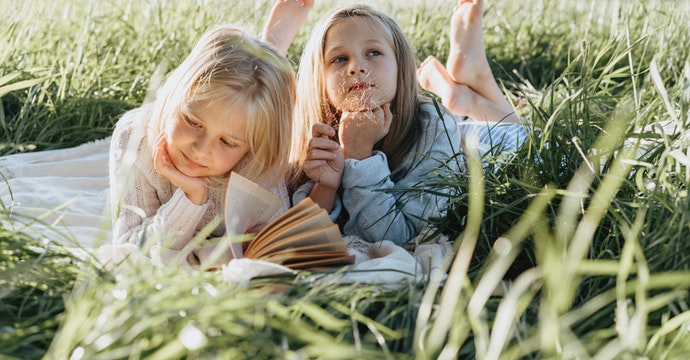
195,188
360,131
325,162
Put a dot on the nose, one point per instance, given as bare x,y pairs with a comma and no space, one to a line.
355,67
202,147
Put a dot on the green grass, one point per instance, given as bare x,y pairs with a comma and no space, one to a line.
590,231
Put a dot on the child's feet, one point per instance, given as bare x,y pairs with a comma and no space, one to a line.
433,77
467,63
460,99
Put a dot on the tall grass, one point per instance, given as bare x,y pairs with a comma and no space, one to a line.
573,247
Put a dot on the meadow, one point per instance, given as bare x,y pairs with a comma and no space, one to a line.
586,229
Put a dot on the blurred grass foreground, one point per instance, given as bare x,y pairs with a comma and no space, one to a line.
575,247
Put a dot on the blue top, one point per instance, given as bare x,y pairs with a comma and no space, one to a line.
371,192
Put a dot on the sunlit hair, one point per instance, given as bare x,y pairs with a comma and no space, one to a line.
313,105
230,66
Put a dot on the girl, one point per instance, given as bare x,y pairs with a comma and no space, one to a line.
227,107
365,132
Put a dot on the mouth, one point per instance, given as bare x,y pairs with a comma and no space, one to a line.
191,163
359,86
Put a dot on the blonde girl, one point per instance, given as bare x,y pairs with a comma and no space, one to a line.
364,132
227,107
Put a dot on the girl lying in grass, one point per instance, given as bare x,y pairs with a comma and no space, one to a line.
365,132
227,107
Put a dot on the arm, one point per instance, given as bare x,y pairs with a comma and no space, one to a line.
145,205
284,21
374,199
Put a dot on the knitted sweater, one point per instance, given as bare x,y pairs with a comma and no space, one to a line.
146,205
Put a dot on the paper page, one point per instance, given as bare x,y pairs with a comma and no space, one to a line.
323,262
313,219
292,215
324,238
246,205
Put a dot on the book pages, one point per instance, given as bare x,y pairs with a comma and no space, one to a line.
246,205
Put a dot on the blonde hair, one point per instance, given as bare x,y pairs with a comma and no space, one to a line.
228,65
313,106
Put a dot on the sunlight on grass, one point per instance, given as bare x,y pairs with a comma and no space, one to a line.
575,246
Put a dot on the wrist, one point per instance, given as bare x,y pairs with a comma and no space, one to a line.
325,189
359,154
324,196
198,197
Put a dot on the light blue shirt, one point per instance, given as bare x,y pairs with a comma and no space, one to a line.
378,201
372,195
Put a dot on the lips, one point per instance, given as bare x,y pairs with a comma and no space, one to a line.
358,86
191,163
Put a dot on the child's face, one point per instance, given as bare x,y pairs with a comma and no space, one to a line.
206,141
360,69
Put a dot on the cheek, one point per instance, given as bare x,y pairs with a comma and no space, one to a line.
332,88
175,133
232,159
389,90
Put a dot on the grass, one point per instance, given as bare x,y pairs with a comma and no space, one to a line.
587,226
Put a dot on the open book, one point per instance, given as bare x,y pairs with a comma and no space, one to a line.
302,237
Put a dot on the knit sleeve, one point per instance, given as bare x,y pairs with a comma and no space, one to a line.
146,205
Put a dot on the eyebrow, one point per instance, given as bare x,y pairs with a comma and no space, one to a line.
238,139
189,113
339,47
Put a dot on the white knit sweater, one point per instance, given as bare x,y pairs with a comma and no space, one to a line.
146,205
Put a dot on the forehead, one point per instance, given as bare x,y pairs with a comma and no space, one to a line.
357,28
224,114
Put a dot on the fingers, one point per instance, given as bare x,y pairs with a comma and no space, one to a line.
381,115
324,161
322,131
161,157
322,149
321,142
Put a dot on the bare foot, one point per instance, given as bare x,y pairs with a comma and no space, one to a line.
467,63
467,60
433,77
460,99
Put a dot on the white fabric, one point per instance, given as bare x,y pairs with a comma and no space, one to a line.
68,188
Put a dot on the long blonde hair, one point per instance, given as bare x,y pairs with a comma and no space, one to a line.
230,66
313,105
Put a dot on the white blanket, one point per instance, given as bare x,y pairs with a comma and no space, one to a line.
67,190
